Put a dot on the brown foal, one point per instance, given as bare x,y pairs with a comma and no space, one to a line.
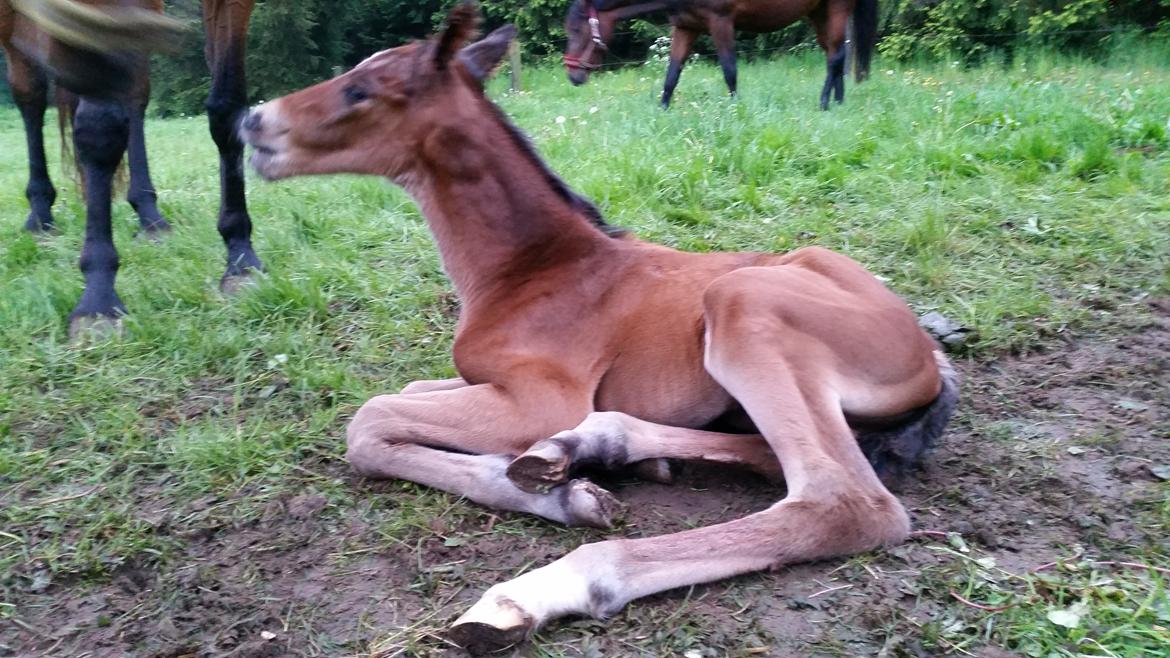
575,346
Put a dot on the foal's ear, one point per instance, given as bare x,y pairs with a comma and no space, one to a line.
461,24
482,57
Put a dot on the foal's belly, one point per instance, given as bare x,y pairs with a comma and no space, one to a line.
661,386
665,400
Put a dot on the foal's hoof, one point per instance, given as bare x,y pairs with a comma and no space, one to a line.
94,328
654,470
491,625
590,506
542,467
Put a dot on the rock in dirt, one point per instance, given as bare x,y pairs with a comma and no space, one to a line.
306,506
948,332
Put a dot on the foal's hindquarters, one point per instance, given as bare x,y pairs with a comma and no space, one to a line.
799,341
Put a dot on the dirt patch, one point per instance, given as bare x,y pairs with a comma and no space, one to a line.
1050,451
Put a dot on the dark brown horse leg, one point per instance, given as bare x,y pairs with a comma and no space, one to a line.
101,131
30,90
681,43
723,34
226,24
830,24
141,194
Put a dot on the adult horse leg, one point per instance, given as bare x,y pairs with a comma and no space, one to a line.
830,20
614,440
835,503
30,91
682,41
101,130
226,25
722,30
141,194
410,436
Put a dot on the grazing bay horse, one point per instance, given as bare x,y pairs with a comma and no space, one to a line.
575,347
86,47
590,24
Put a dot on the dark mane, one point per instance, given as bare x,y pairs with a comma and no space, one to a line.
576,201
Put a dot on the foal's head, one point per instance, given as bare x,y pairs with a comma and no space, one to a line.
416,103
588,32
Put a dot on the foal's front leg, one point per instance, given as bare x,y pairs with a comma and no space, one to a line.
411,436
614,439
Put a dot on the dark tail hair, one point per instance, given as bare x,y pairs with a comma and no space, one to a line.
70,165
865,32
894,451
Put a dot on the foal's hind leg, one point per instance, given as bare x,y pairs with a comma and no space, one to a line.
615,440
410,437
835,503
30,90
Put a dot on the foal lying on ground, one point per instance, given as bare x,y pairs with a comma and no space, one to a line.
613,347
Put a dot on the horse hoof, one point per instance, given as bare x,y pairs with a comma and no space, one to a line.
155,231
94,328
590,506
544,466
35,224
232,284
491,625
654,470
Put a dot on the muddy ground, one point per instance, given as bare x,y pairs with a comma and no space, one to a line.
1051,454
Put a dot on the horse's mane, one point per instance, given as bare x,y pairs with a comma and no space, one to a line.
576,201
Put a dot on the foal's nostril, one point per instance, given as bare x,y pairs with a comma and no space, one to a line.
252,121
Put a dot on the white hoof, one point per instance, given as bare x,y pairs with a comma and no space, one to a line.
493,624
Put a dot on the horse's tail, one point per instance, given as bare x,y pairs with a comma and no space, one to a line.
70,164
865,31
893,451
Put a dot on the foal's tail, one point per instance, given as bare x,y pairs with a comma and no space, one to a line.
865,30
894,451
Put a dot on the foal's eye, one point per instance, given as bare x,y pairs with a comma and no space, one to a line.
355,94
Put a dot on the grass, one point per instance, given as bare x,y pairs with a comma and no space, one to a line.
1028,203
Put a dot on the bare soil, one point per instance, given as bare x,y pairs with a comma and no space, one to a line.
1049,452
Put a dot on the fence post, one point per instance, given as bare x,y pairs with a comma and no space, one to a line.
514,59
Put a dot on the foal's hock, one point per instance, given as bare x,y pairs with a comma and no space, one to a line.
574,346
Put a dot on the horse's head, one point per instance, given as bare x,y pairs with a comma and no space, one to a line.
396,109
588,32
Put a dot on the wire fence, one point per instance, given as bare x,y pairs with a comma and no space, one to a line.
810,44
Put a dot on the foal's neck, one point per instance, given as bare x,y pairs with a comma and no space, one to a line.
496,215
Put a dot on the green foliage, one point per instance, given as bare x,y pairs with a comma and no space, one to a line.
972,29
293,43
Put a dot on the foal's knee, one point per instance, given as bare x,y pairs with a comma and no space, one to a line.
366,434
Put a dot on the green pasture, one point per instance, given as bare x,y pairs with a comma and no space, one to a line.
1030,203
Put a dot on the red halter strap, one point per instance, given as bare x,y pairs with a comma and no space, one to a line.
583,62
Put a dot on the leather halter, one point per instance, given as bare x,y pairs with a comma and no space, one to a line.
596,43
